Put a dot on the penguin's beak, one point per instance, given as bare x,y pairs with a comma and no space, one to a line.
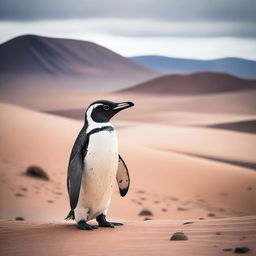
123,105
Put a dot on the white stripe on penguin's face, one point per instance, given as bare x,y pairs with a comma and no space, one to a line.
91,123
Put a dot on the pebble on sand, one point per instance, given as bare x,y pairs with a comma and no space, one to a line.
178,236
227,249
145,212
241,250
37,172
188,222
19,218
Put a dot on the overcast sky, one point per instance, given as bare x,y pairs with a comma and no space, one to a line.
182,28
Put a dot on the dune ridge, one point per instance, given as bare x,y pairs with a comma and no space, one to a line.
234,66
193,84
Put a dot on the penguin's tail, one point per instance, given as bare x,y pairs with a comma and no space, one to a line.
71,215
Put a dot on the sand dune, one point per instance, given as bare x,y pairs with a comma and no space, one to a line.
233,66
168,182
205,237
194,84
37,67
172,189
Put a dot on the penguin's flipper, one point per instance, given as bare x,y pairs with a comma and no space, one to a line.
76,168
122,177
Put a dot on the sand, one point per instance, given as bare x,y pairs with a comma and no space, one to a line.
180,172
205,237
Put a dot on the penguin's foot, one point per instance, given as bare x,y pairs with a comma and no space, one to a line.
104,223
84,226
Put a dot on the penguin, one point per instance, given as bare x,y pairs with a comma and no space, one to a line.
94,165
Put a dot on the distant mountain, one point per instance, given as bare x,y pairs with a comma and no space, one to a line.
33,61
197,83
233,66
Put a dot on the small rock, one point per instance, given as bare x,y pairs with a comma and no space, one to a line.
50,201
19,195
181,209
147,219
227,249
249,188
37,172
211,215
201,218
156,202
145,212
178,236
188,222
164,210
218,233
241,250
242,238
19,218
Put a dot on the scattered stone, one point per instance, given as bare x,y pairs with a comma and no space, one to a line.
249,188
241,250
211,215
37,172
164,210
140,192
181,209
19,218
19,195
143,198
227,249
156,202
201,218
145,212
223,194
57,193
188,222
50,201
147,219
178,236
242,238
174,198
218,233
221,209
23,189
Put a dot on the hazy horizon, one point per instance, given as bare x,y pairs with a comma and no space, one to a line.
185,29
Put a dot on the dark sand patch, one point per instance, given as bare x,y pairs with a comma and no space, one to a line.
242,126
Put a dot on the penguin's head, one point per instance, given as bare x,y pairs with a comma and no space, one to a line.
102,111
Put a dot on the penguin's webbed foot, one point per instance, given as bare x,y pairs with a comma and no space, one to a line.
106,224
84,226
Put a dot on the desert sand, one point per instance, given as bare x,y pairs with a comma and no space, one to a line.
182,170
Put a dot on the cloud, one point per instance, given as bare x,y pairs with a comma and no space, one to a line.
103,32
168,10
134,28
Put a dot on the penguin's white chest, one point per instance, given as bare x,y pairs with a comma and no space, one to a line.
101,163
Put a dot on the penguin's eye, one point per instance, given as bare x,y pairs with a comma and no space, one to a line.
106,107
